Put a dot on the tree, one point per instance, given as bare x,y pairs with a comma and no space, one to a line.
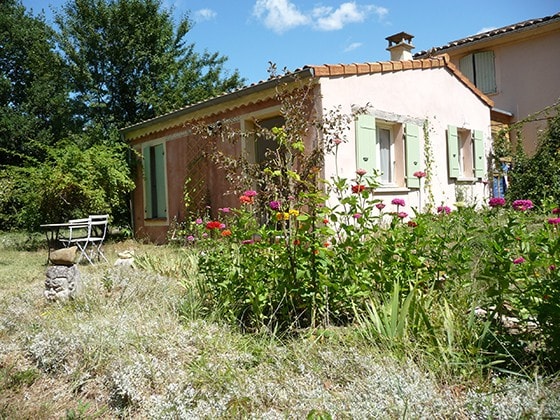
130,61
538,178
34,107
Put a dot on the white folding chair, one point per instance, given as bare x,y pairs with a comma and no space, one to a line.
88,235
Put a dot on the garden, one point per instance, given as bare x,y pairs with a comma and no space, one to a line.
451,314
311,299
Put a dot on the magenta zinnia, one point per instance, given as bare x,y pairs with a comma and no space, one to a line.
519,260
522,205
398,202
497,202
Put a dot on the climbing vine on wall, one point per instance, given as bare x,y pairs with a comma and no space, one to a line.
429,165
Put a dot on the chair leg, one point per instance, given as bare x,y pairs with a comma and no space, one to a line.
83,253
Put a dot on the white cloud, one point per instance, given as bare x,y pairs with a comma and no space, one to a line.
279,15
491,28
204,14
282,15
353,46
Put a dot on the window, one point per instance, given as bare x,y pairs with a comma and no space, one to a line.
390,148
479,69
465,153
386,155
155,201
263,145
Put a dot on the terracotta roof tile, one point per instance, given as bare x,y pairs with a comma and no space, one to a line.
516,27
441,61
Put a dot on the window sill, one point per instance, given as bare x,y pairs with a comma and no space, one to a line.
390,189
467,180
159,221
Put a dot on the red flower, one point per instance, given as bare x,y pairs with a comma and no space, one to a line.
412,224
356,189
213,225
246,200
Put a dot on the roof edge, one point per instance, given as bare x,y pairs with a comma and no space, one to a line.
226,97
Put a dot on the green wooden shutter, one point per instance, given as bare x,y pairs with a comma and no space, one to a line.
479,156
366,143
467,68
147,183
412,150
485,72
453,152
159,154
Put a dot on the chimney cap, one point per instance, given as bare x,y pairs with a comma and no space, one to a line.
401,37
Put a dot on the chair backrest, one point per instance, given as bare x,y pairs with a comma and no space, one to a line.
98,226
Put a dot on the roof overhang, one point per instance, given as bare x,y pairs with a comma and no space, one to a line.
207,107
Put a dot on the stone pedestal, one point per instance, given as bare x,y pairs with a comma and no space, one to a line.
63,282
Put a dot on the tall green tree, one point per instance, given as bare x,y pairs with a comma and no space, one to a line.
130,61
34,107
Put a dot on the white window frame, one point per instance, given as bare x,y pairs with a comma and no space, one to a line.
388,127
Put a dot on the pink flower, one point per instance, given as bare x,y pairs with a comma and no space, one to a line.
398,202
555,221
443,209
337,141
361,172
380,206
402,214
224,210
519,260
419,174
274,205
522,205
497,202
247,241
357,216
190,238
556,210
250,193
198,221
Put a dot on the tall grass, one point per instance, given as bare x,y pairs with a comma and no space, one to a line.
136,344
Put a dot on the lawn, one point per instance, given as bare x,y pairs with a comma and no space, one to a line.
144,343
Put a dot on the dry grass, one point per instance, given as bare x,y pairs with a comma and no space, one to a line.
134,345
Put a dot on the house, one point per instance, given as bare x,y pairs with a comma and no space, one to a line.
422,115
517,66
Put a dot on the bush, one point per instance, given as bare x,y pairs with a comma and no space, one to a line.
72,183
537,178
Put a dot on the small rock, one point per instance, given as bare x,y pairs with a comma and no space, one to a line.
64,256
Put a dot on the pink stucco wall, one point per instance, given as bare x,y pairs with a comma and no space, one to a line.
432,95
527,73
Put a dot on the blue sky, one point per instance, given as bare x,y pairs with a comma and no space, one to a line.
293,33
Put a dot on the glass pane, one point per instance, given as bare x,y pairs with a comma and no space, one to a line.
385,161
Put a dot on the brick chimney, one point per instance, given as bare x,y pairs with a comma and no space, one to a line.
400,46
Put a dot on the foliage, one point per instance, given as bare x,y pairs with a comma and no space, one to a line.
72,183
537,178
100,71
64,360
34,106
124,72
